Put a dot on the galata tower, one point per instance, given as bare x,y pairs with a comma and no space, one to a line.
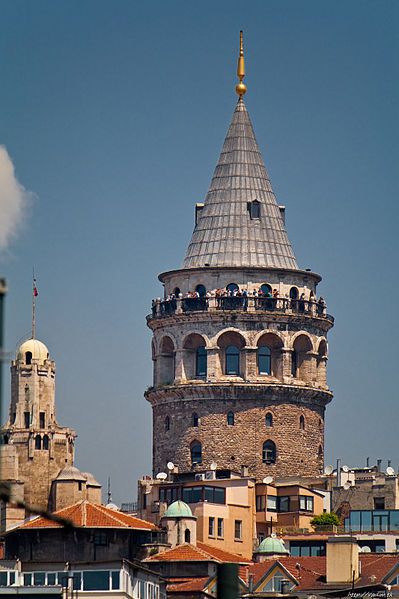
240,337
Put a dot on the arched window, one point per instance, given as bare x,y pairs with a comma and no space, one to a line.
176,291
230,418
320,452
269,452
200,361
294,363
38,442
232,287
167,423
266,289
294,293
28,357
264,360
232,360
187,536
254,209
196,453
269,420
45,442
302,422
195,419
201,290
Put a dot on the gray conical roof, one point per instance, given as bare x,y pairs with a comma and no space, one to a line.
225,235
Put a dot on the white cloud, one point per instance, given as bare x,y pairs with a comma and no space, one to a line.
14,200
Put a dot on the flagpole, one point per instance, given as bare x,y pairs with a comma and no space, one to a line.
33,305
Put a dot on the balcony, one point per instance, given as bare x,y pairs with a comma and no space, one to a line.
249,304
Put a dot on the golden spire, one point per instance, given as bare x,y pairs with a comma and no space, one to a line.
241,88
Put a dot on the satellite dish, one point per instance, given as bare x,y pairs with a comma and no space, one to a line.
213,466
347,486
365,549
170,466
345,469
328,470
390,471
267,480
161,476
112,506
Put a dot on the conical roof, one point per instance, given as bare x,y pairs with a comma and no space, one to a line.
225,234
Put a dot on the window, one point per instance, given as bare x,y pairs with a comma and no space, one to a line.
100,539
232,287
220,528
271,503
302,423
38,442
187,536
260,503
204,493
283,504
306,503
238,530
42,420
269,419
254,209
230,418
28,357
274,584
266,289
27,419
96,580
294,293
169,494
51,578
176,292
294,363
201,290
39,578
269,452
195,419
307,548
196,453
232,360
45,442
200,361
379,503
167,423
211,526
264,360
27,580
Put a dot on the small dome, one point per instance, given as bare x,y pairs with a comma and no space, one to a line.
91,481
37,350
272,546
178,509
71,473
112,506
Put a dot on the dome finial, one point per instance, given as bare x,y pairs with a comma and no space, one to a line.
241,88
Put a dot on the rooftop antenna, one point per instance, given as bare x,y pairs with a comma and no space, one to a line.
35,293
109,495
241,88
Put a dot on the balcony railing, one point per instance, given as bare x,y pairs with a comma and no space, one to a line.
162,308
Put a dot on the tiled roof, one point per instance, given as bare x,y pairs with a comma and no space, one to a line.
200,553
225,235
91,515
187,584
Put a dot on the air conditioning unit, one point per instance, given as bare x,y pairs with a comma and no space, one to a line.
200,476
210,475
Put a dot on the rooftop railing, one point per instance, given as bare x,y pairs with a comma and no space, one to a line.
162,308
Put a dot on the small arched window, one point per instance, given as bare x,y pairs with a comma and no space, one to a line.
266,289
167,423
201,290
195,419
302,422
28,357
232,360
269,452
38,442
232,287
320,452
45,442
230,418
176,291
196,453
294,293
269,420
200,361
264,360
294,364
187,536
254,209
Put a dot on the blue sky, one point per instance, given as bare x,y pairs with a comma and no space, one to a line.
114,113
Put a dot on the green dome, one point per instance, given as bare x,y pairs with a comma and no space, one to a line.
272,545
178,509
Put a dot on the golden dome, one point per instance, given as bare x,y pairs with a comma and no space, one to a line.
33,349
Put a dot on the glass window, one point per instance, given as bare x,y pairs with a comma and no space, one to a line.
12,578
272,503
115,583
269,452
211,526
394,520
195,419
232,360
219,495
39,578
366,521
200,361
77,581
355,520
51,578
264,360
260,503
284,504
238,529
201,290
96,580
27,580
100,538
196,494
196,453
3,579
63,579
220,528
269,419
306,503
230,418
254,209
208,494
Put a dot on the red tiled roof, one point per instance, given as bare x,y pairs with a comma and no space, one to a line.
188,584
91,515
200,553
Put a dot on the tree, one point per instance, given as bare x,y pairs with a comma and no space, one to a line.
327,519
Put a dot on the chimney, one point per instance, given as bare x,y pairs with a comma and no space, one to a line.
244,471
342,560
367,462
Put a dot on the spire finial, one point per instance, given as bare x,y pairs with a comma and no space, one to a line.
34,296
241,88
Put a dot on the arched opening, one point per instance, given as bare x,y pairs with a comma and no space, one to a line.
176,291
232,288
301,361
230,418
294,293
195,419
187,536
231,344
232,363
270,360
321,363
194,357
269,420
196,452
266,289
269,452
167,424
45,442
28,357
254,209
166,372
201,290
5,440
302,422
38,442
